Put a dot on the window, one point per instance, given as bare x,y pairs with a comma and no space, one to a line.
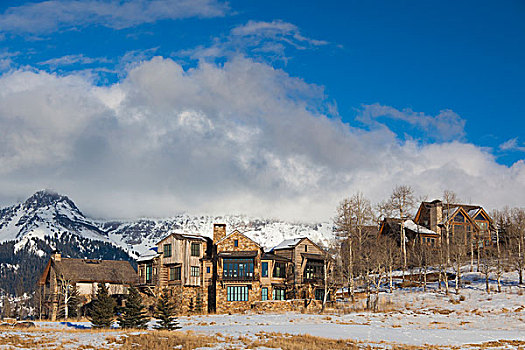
264,294
314,269
278,294
195,272
480,217
279,270
264,269
319,294
237,269
175,273
305,248
236,243
195,249
149,269
208,269
459,218
167,250
237,293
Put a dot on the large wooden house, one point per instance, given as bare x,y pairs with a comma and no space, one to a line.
469,223
182,263
84,274
231,272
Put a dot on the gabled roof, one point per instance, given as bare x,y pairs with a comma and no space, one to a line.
395,226
191,237
453,212
88,270
148,255
288,243
237,232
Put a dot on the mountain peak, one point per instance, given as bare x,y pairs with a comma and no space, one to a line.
48,197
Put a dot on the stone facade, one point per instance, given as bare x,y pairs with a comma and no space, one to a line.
237,246
235,274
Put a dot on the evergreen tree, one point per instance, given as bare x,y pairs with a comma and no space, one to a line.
165,313
133,314
103,310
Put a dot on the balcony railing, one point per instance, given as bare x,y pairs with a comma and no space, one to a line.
238,278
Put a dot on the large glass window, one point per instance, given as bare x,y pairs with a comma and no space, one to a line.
195,271
278,294
459,218
264,294
314,269
149,269
167,250
279,270
175,273
264,269
237,269
237,293
195,249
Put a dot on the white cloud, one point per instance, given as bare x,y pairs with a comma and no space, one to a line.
512,145
268,38
241,137
445,126
73,59
49,16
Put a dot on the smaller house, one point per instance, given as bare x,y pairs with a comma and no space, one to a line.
392,227
181,263
306,271
85,274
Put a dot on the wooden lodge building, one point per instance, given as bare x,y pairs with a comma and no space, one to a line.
232,273
85,275
469,223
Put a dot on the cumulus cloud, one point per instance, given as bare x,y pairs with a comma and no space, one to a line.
446,126
49,16
257,37
240,137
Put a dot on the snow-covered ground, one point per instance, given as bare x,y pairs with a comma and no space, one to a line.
410,317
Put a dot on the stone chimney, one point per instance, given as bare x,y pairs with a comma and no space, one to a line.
219,232
436,215
56,256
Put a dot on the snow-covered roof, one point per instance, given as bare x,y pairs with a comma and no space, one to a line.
148,255
288,243
411,225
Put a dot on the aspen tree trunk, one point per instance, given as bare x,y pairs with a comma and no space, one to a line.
498,274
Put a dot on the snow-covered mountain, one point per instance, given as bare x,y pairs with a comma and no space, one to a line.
31,230
49,214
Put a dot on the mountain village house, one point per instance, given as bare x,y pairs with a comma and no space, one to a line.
232,273
60,274
468,224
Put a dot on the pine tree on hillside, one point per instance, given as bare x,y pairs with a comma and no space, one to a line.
103,311
133,314
165,313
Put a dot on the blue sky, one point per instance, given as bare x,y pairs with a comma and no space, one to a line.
410,82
